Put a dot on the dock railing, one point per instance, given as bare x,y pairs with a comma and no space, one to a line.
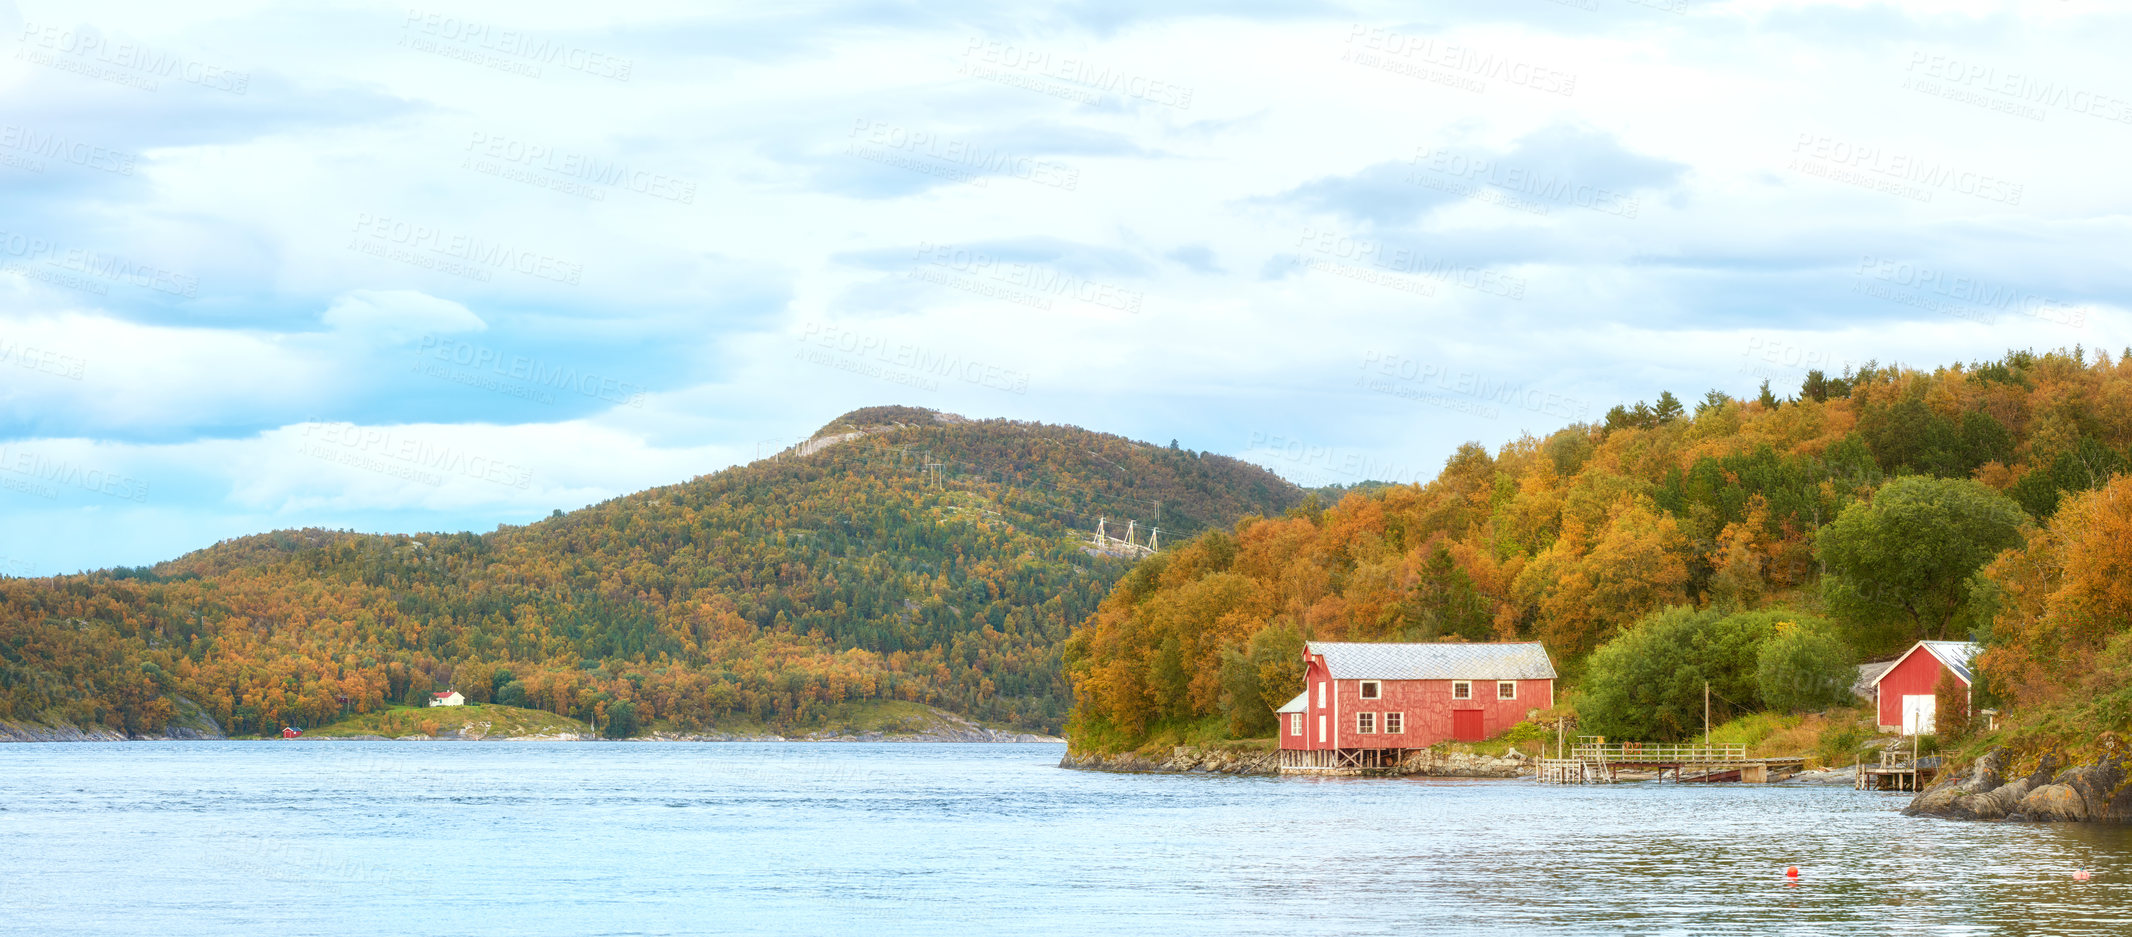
1593,750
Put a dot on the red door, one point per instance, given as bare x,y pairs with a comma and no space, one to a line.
1466,725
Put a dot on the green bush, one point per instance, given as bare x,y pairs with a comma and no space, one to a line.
1804,667
1647,684
511,694
1842,744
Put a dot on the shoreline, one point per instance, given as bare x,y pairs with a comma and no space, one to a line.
24,734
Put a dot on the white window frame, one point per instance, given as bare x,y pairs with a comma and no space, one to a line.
1365,723
1372,689
1322,737
1395,723
1500,684
1321,695
1461,689
1295,723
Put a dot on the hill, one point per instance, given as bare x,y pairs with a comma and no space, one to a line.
1571,538
898,554
473,721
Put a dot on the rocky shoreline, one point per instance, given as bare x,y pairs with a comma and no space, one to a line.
1189,760
2097,792
949,729
27,732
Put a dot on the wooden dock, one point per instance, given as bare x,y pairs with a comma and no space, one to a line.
1595,761
1897,771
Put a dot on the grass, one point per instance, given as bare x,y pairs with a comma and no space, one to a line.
857,717
1828,739
490,720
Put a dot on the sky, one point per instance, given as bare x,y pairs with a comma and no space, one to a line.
449,266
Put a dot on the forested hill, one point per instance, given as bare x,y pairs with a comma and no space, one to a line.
1877,500
898,554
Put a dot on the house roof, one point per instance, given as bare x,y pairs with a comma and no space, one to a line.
445,694
1869,676
1301,703
1955,654
1352,660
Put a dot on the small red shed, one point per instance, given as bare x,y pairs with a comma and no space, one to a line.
1905,692
1365,705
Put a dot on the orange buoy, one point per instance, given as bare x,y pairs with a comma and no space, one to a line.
2081,875
1791,871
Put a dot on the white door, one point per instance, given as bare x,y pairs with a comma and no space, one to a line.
1918,709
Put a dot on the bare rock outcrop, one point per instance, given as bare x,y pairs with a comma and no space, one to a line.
2096,792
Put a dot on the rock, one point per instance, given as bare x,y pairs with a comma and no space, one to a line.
1831,776
2055,802
2081,793
1440,764
1181,760
33,732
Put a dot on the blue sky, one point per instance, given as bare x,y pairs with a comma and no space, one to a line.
448,266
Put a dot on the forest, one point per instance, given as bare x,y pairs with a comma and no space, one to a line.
1764,545
932,559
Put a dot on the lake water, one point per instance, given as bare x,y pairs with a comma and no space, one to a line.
531,838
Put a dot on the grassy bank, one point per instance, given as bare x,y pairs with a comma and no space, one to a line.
855,718
473,720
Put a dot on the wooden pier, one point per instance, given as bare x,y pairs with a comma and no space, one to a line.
1339,760
1897,771
1594,761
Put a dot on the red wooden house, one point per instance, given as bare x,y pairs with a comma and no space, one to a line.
1905,692
1366,705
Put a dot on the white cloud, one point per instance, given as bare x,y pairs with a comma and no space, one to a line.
397,316
683,230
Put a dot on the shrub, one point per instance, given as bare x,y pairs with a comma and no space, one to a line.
511,694
1950,718
1647,684
1842,742
1804,668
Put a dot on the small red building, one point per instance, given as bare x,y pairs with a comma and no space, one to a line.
1366,705
1905,692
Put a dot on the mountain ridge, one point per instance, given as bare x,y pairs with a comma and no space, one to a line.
897,553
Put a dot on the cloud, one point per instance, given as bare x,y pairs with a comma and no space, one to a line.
397,315
185,321
1558,164
1195,257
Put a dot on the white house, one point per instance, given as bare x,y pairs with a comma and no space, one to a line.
450,698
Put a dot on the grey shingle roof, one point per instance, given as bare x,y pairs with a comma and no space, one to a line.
1299,704
1351,660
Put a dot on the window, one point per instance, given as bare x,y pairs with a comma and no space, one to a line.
1295,723
1321,727
1395,723
1371,689
1321,694
1461,689
1366,723
1506,689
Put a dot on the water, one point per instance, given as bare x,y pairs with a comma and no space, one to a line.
529,838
